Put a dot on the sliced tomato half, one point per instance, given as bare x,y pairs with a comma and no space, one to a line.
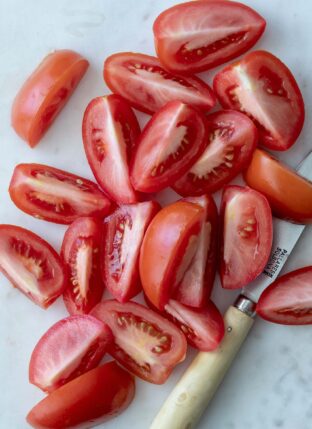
142,80
123,235
55,195
247,236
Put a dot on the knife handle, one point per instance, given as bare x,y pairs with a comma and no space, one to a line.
188,400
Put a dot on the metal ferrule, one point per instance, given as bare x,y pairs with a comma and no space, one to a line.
245,305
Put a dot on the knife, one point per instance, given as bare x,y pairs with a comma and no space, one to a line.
188,400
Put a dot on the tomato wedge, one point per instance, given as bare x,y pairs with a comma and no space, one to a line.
261,86
81,255
196,36
247,236
197,283
45,93
142,80
31,265
170,143
232,139
110,131
145,343
289,194
85,401
123,235
69,348
55,195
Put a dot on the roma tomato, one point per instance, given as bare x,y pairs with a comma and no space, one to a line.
197,283
31,265
168,248
85,401
232,139
170,143
69,348
81,255
261,86
110,131
289,194
123,235
142,80
45,93
196,36
145,343
288,300
55,195
247,236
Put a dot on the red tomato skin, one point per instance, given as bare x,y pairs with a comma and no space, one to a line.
30,116
86,400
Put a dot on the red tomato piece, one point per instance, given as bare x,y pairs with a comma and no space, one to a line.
81,255
69,348
247,236
142,80
197,283
123,235
110,131
145,343
85,401
45,93
170,143
288,300
31,265
196,36
232,139
56,195
261,86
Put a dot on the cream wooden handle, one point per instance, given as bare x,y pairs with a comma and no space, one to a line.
188,400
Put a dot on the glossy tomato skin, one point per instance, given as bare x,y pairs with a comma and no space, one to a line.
142,80
56,195
287,301
81,255
289,194
170,143
71,347
275,102
31,264
246,236
232,138
45,93
182,50
146,344
85,401
122,239
110,131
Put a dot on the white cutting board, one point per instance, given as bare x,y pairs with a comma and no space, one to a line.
270,384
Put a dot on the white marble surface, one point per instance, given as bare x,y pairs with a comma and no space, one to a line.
269,385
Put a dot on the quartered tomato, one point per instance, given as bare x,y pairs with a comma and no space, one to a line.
123,235
261,86
170,143
289,194
196,36
110,131
145,343
45,93
247,236
85,401
288,300
232,139
168,248
31,265
81,254
55,195
197,283
143,81
69,348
